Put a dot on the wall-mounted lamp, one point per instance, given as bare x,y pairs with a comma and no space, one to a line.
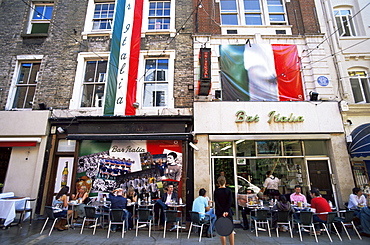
349,121
136,105
193,146
60,130
218,94
190,86
314,96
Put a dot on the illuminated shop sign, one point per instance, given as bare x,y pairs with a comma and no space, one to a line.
273,116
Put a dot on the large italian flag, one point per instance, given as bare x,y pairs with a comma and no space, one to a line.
121,86
260,72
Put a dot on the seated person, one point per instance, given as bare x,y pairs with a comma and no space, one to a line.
321,205
297,196
281,205
364,216
356,200
250,197
161,204
60,208
202,206
81,197
118,201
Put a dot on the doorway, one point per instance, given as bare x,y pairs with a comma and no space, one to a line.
4,163
320,178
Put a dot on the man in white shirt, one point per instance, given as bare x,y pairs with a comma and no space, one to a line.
356,200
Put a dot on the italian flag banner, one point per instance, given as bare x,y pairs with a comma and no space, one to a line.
260,72
124,58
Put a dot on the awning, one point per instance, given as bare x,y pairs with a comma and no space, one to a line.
360,145
150,136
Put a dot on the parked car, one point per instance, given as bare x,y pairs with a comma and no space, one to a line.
244,184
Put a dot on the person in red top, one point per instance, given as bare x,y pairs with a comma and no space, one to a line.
320,204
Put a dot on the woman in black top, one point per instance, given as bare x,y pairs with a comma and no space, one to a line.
223,202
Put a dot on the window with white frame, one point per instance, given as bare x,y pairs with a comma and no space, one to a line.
345,25
25,85
103,16
40,16
360,86
94,83
90,80
99,17
159,15
253,12
156,82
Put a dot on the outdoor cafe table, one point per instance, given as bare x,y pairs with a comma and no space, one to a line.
9,205
175,206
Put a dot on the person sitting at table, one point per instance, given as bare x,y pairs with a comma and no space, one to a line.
60,208
246,210
131,198
82,197
364,216
161,204
206,213
356,200
297,196
281,205
118,201
321,205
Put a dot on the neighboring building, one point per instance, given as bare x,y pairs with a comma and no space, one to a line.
348,35
115,79
269,98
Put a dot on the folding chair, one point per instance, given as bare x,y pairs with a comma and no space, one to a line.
50,215
260,219
116,218
346,221
329,223
197,222
284,218
305,220
24,210
90,215
145,217
172,216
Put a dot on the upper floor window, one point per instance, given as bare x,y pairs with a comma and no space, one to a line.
103,16
99,17
40,18
90,80
26,84
360,86
159,15
155,83
343,18
252,12
94,83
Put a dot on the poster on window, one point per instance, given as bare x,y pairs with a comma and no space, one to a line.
260,72
145,165
64,173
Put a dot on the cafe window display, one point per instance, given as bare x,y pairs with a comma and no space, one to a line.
251,160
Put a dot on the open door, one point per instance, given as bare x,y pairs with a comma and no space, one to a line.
320,178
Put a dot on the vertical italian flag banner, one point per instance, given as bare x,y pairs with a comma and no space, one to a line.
124,58
260,72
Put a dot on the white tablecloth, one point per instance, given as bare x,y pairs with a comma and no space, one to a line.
8,207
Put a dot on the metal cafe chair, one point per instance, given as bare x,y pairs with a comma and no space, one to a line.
305,220
116,218
50,215
284,218
197,222
347,220
90,215
261,218
172,216
25,210
145,217
329,223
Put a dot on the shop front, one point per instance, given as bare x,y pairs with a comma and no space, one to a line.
105,153
302,143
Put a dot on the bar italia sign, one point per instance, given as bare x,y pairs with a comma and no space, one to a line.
273,116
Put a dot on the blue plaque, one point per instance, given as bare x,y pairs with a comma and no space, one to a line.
323,81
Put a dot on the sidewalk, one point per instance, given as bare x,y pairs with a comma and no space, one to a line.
30,235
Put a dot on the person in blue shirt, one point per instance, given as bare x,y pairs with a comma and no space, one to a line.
118,201
201,205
